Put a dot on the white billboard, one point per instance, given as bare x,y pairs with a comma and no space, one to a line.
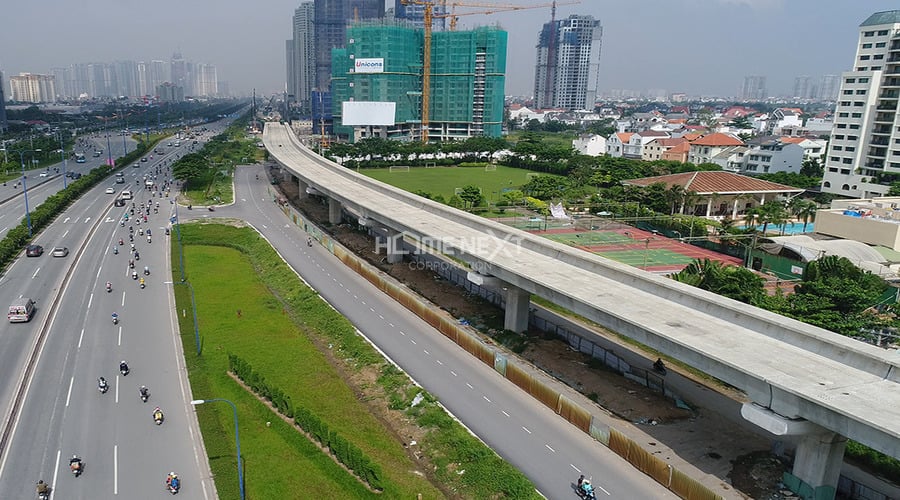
369,65
368,113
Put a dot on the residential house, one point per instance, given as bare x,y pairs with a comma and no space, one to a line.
784,117
677,153
615,144
708,146
590,144
812,148
635,146
731,158
770,155
655,149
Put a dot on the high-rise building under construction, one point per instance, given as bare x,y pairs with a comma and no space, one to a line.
383,62
567,71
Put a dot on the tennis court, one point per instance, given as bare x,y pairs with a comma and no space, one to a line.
635,247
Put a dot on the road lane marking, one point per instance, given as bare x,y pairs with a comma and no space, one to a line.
439,362
469,385
120,335
413,341
90,300
549,448
426,352
55,470
402,333
115,469
123,299
66,233
504,413
117,388
36,271
576,468
526,429
69,395
602,489
372,309
486,398
80,337
453,373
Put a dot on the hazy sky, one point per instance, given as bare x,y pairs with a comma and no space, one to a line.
694,46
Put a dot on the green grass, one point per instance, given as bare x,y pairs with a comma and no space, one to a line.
444,180
279,462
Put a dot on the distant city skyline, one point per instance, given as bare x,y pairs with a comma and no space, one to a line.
699,48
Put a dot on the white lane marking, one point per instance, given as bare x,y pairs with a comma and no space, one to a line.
439,362
381,317
98,272
504,413
413,341
123,299
90,300
402,333
55,471
36,271
576,468
120,335
66,233
426,352
391,325
363,302
69,395
549,448
486,398
469,385
117,388
602,489
87,220
453,373
66,220
80,337
5,229
371,309
526,429
115,469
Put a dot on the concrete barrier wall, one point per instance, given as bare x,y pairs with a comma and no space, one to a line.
468,339
822,342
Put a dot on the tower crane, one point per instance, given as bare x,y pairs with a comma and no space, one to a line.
428,18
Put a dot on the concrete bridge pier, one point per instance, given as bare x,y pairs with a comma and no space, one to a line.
334,211
303,187
516,314
819,453
394,246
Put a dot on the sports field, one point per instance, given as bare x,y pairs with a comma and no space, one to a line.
445,180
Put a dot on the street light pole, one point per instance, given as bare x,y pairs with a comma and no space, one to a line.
237,439
109,160
25,186
62,154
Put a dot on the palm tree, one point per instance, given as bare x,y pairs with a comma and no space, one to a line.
751,218
807,212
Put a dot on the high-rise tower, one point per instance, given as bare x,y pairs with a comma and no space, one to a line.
568,63
754,88
301,57
865,139
331,19
3,123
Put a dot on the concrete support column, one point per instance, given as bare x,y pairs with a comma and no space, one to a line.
394,246
302,185
334,211
517,302
818,459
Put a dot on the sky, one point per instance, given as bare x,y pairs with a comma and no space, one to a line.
700,47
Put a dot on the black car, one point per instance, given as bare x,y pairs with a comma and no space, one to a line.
120,202
34,251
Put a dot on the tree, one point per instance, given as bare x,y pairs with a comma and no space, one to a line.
812,168
741,123
471,195
545,187
190,167
734,282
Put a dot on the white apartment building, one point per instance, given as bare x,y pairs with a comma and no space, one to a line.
30,87
865,139
773,156
590,144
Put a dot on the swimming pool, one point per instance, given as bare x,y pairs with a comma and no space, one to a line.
788,229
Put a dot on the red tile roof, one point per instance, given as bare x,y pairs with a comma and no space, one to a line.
720,182
692,137
718,139
793,140
625,136
684,147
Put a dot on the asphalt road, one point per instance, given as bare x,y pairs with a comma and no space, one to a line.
63,413
551,452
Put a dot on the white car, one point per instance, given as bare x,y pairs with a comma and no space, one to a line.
110,190
44,174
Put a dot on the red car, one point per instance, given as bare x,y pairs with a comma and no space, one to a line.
34,251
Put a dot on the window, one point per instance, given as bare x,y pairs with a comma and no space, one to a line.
875,68
867,45
880,45
858,104
843,115
848,161
861,68
837,148
839,137
867,34
850,149
882,32
861,92
854,127
852,137
841,125
864,58
856,115
845,103
878,56
850,80
835,159
848,92
826,184
864,80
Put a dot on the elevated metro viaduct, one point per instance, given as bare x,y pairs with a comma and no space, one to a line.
807,383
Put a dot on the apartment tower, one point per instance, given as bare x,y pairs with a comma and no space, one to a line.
568,63
864,152
301,57
4,125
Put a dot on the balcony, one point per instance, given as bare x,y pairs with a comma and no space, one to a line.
881,129
877,153
891,82
885,117
889,94
887,107
875,164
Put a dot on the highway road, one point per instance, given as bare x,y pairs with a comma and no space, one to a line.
62,412
551,452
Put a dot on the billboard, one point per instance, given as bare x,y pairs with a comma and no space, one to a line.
368,113
369,65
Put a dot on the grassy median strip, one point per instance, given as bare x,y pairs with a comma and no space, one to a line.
250,304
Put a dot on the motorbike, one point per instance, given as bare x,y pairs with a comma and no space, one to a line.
45,494
102,386
586,491
108,287
141,231
121,241
167,231
131,263
134,275
116,250
137,256
211,209
131,237
142,284
115,318
148,239
158,416
173,483
76,465
145,394
122,223
146,271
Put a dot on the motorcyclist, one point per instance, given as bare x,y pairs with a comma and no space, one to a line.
123,367
108,286
142,283
587,489
134,275
145,393
147,270
75,464
42,488
157,414
116,250
172,481
115,317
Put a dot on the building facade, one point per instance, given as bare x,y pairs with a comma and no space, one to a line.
468,76
865,140
415,14
567,71
206,82
301,58
30,87
754,88
4,125
331,19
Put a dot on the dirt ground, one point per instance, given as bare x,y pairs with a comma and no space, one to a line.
753,473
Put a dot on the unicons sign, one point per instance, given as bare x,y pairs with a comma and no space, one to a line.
369,65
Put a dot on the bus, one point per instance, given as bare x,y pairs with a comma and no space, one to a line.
79,158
